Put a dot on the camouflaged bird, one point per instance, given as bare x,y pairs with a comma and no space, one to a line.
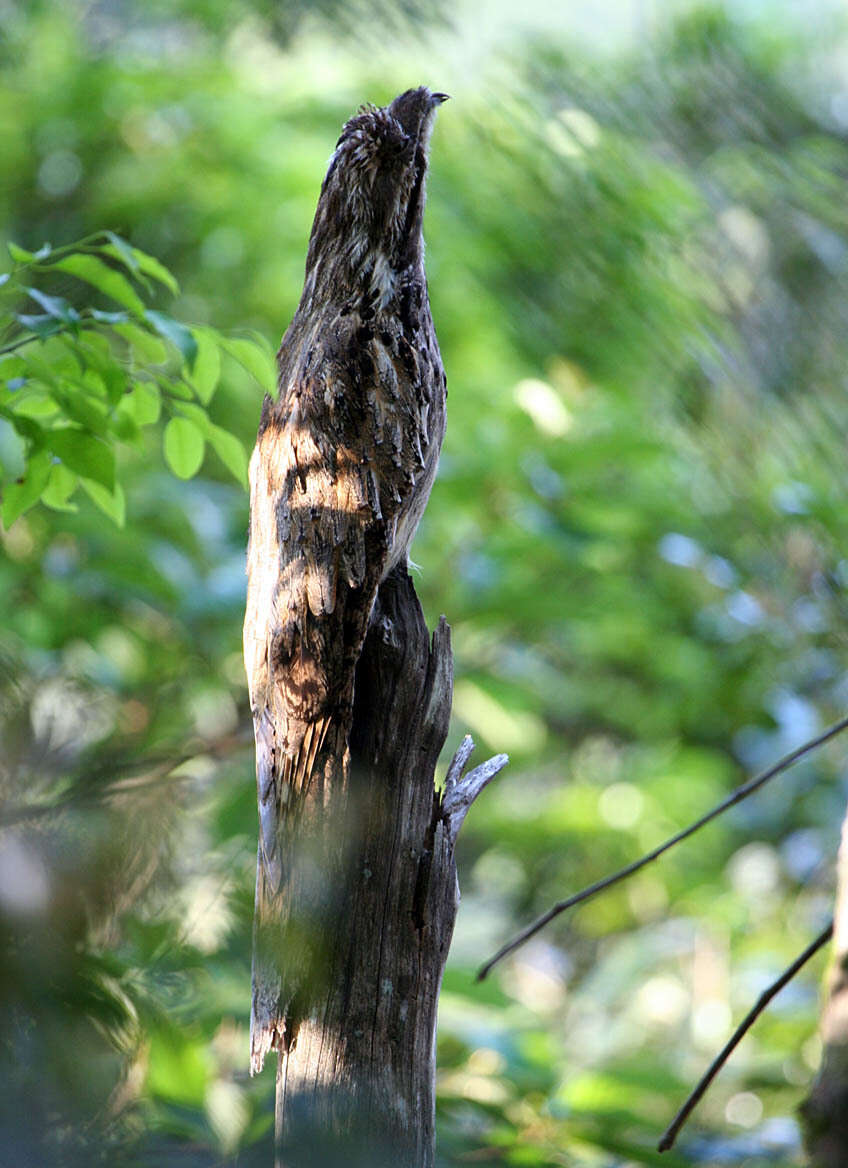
341,473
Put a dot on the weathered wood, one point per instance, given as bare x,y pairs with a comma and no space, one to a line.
357,1086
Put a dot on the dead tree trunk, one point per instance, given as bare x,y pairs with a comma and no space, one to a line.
357,1087
825,1112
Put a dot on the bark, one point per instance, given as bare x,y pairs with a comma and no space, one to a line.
357,1085
825,1112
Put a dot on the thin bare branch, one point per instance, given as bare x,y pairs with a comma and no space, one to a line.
457,763
672,1131
464,791
735,797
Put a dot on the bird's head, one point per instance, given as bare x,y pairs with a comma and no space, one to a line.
372,198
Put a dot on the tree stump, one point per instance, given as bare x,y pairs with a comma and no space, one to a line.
357,1085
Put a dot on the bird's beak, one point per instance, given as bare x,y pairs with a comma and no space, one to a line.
439,98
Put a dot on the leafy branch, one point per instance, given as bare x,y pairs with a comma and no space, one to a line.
77,380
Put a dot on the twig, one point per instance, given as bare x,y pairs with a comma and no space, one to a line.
457,763
672,1131
463,792
84,322
735,797
19,344
460,790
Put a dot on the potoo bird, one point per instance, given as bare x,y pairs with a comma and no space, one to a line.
343,466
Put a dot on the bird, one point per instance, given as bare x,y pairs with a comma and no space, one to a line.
343,466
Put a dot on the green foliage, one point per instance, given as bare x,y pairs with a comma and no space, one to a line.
77,380
637,264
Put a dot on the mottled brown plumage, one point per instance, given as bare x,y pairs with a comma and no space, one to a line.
342,469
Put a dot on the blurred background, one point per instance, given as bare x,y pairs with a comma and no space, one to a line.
638,264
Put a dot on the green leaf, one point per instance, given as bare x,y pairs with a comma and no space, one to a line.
35,403
176,333
94,348
255,357
79,407
54,305
174,388
60,486
94,385
195,413
125,427
49,371
122,249
178,1067
11,365
42,324
84,453
230,451
105,279
183,444
152,267
18,254
144,344
143,404
19,497
207,366
27,428
96,355
112,503
21,256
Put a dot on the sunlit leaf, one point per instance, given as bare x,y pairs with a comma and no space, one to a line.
195,413
36,404
153,267
22,256
254,357
183,444
60,486
230,451
143,403
207,366
105,279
